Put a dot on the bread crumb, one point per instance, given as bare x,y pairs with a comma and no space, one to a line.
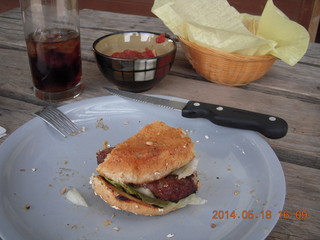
170,235
125,123
73,133
105,145
63,191
107,222
236,192
213,225
26,207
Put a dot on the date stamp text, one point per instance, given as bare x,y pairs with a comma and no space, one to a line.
265,214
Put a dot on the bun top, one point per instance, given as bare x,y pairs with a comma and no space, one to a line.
154,152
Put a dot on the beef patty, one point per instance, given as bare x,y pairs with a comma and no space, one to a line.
102,154
170,188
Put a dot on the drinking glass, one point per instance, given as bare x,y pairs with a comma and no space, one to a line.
52,34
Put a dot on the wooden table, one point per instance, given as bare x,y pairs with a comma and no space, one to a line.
292,93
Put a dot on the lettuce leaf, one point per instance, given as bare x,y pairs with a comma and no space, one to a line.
187,169
130,190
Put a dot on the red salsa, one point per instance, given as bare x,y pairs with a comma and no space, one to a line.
161,38
132,54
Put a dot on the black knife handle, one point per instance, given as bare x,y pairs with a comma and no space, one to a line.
269,126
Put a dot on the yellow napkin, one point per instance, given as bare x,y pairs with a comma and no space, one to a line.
215,24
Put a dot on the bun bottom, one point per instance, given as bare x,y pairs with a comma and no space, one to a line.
123,201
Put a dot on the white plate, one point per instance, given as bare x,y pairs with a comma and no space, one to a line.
238,170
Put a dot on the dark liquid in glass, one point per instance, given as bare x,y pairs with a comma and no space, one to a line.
55,59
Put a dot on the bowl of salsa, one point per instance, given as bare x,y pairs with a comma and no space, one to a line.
135,61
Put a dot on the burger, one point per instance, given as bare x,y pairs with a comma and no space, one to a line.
150,173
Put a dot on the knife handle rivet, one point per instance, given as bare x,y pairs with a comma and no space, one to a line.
219,108
196,104
272,119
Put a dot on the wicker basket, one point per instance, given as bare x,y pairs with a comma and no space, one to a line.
226,68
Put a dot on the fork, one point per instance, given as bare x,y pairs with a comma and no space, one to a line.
58,120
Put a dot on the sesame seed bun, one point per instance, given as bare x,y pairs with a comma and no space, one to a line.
151,154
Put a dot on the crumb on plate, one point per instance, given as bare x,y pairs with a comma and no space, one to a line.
116,229
100,124
63,191
107,222
26,207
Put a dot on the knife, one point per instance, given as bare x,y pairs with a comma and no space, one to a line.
269,126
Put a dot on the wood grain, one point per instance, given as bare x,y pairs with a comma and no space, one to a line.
292,93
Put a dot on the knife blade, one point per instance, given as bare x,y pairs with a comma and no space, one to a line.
270,126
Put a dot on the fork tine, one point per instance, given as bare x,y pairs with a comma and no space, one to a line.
52,123
67,120
55,119
58,120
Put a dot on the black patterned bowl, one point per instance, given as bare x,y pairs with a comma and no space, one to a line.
134,74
